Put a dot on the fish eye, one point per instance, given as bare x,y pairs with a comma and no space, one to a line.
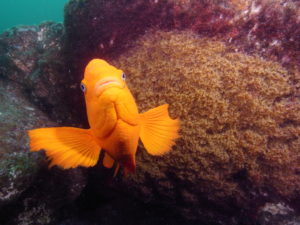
82,87
123,76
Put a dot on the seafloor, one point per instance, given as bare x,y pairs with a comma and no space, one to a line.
229,69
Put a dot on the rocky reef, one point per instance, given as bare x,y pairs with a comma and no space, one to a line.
228,69
33,57
239,138
270,29
18,167
31,79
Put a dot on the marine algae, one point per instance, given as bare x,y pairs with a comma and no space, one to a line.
240,121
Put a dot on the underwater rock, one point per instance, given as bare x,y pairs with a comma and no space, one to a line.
18,168
119,208
240,131
244,140
27,191
43,201
239,145
277,214
106,28
270,29
33,85
33,57
30,193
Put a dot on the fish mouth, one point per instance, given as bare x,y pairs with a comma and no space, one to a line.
106,83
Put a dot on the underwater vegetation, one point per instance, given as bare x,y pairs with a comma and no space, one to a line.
229,69
239,143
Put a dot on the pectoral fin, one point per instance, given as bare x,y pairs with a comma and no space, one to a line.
158,130
67,147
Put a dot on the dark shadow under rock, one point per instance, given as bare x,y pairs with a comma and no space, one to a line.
101,203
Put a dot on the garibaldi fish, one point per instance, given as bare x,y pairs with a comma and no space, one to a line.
115,125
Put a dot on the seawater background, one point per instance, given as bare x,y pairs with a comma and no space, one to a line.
30,12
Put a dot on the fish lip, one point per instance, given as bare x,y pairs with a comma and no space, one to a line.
106,83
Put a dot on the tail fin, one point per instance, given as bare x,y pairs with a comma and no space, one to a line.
158,130
67,147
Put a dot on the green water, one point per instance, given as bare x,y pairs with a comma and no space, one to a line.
29,12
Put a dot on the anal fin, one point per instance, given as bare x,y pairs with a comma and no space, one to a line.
108,161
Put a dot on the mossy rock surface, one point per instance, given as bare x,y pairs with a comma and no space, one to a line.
239,145
17,166
29,62
33,84
33,57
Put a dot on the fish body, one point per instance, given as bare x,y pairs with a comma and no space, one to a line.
115,125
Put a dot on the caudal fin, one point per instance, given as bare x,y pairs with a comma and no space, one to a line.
67,147
158,130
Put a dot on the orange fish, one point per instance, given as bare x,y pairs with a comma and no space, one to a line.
115,125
